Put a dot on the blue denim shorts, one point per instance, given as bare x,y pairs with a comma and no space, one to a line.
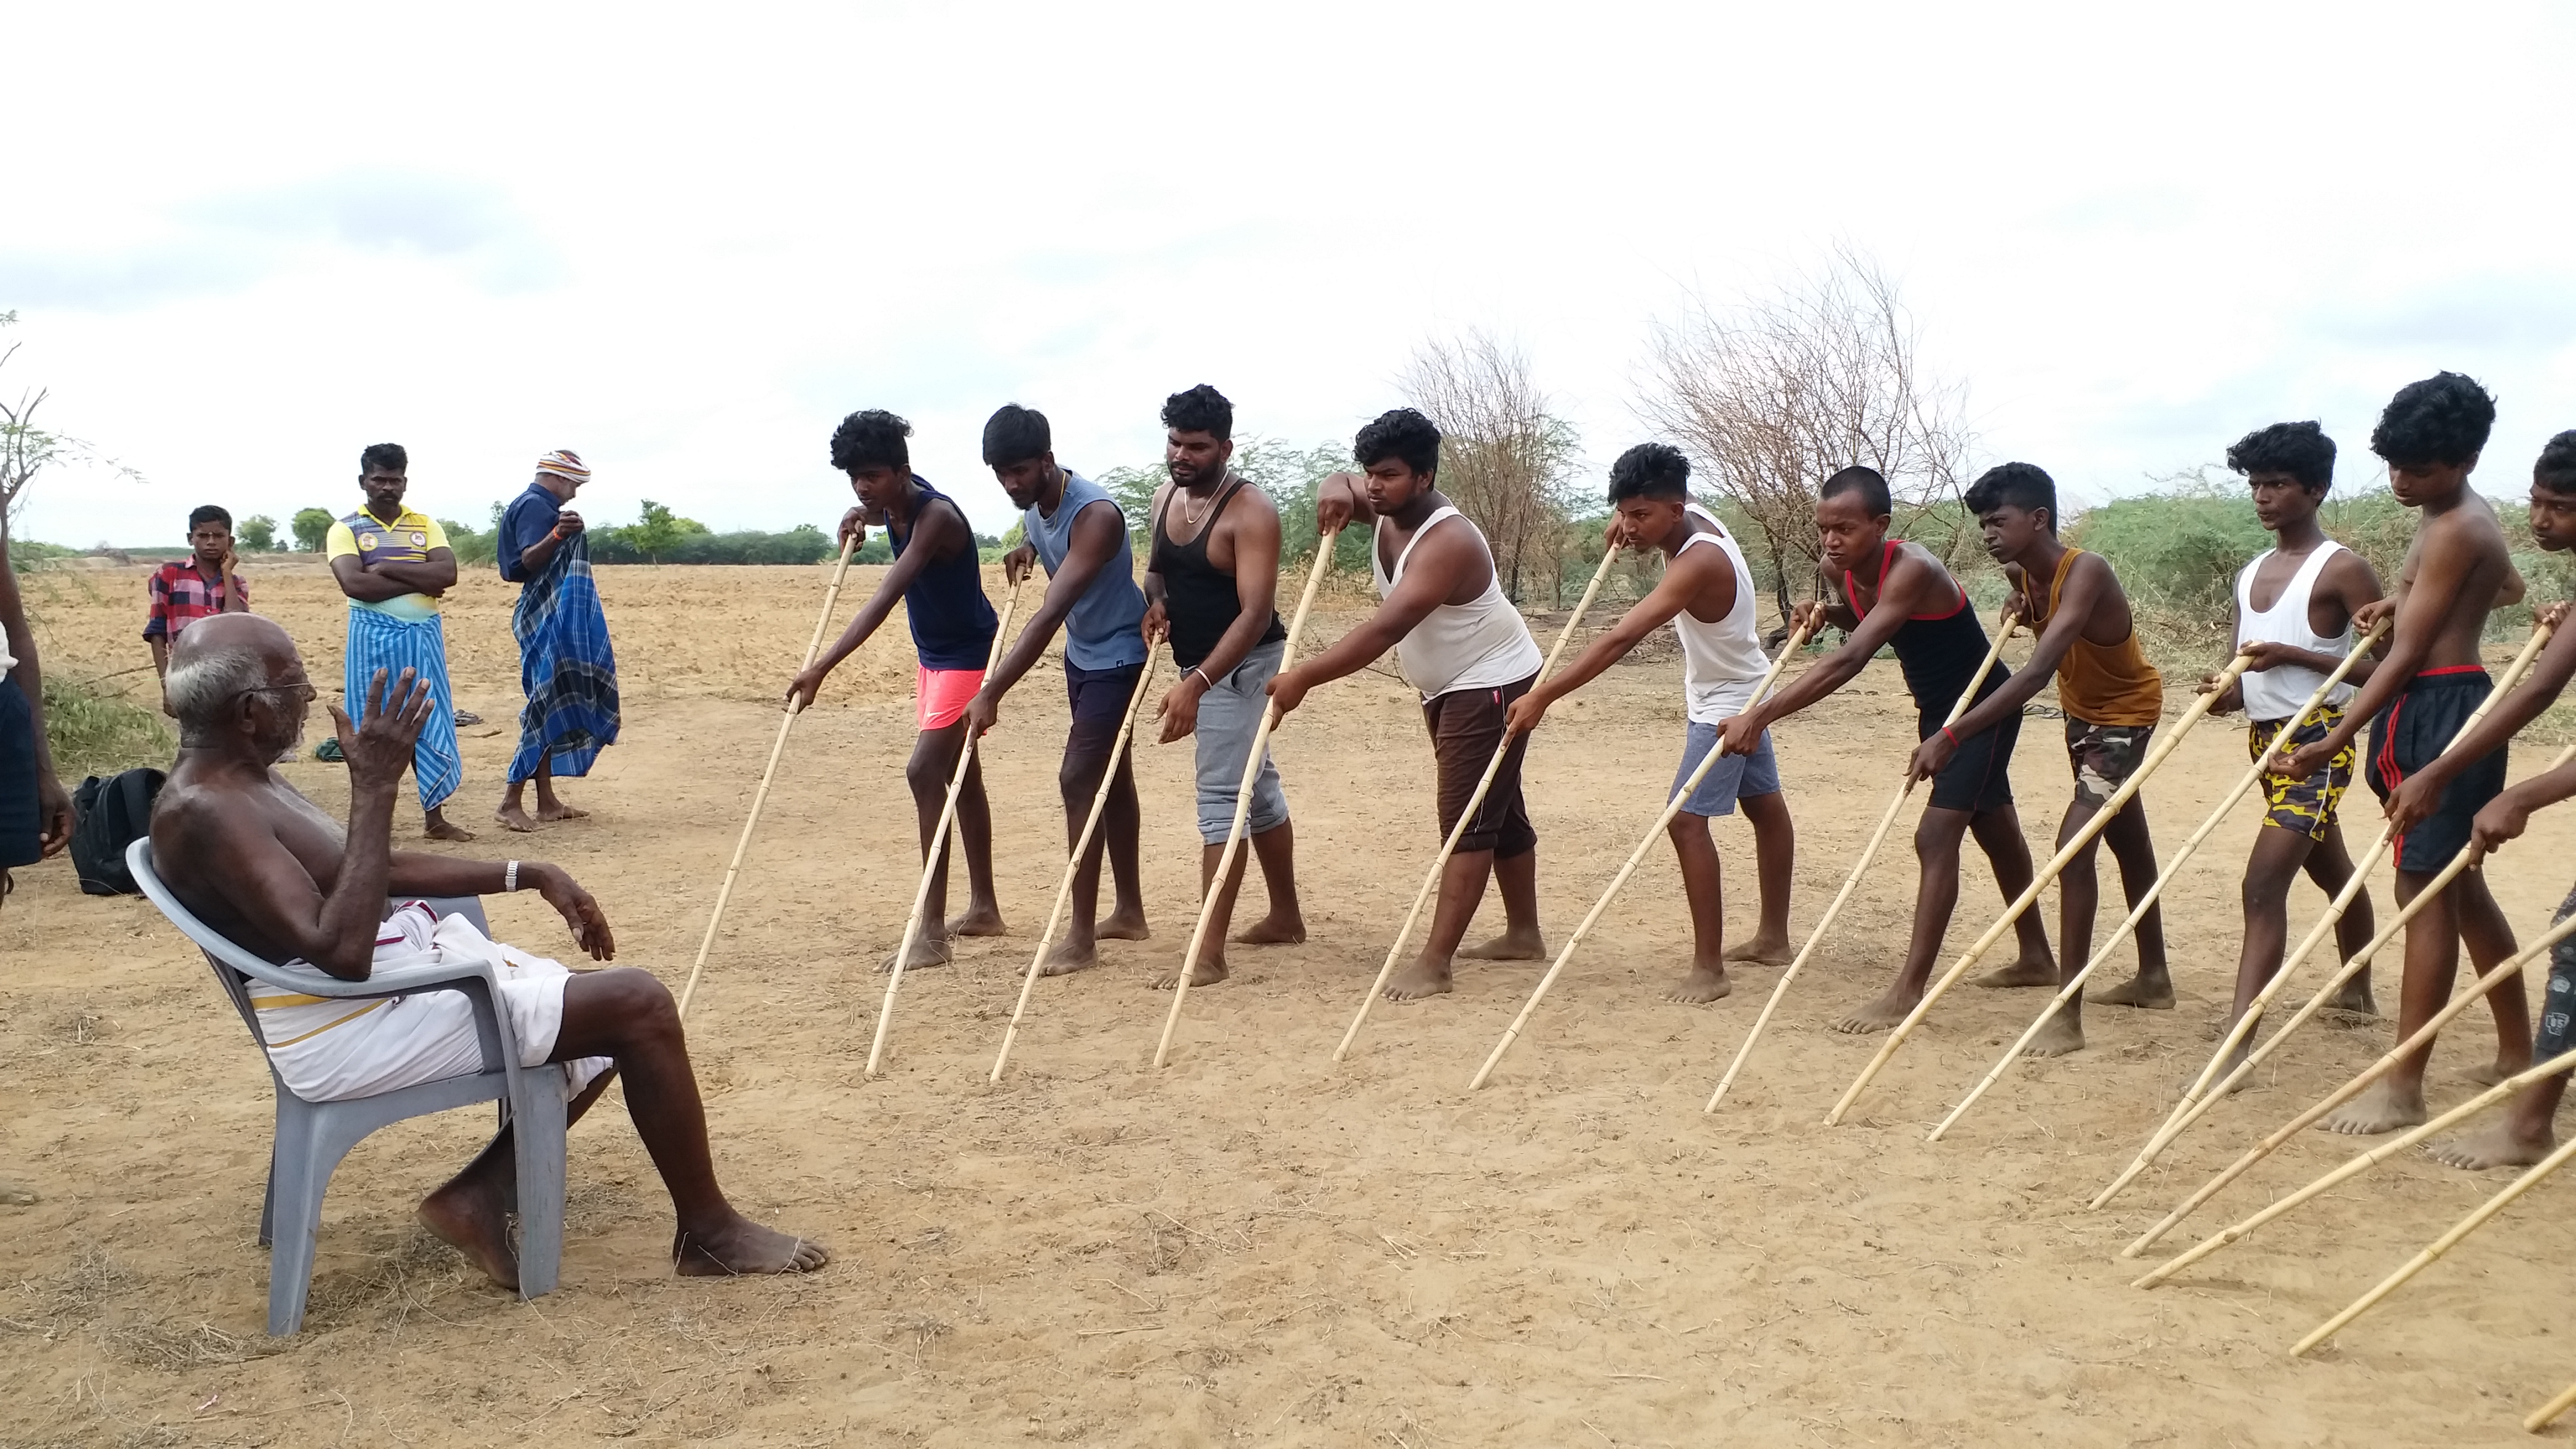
1729,779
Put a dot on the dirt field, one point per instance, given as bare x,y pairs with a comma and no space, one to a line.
1252,1245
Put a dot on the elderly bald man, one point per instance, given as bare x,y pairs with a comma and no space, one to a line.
262,864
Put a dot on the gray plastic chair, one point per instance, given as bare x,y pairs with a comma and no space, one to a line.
312,1137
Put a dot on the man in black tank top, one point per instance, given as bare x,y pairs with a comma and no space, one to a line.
1902,595
1211,586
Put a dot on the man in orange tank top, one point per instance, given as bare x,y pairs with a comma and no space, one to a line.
2111,697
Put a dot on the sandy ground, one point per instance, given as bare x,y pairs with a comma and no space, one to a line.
1253,1245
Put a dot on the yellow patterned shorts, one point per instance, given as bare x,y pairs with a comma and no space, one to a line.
2306,806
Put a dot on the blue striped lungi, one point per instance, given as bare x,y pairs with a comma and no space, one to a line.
566,667
378,640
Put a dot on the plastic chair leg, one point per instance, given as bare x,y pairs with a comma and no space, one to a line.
538,1143
298,1174
268,1197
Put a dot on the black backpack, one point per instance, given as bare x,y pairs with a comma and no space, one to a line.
109,815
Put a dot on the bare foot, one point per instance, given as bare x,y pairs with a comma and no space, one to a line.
2152,991
2382,1107
743,1247
439,827
1763,950
1208,973
925,953
2022,973
979,921
2495,1146
558,810
1124,926
2354,996
1066,957
1510,946
468,1216
1701,985
512,817
2491,1073
1419,979
1273,931
2064,1033
1880,1015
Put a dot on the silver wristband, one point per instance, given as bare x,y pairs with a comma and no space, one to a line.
510,876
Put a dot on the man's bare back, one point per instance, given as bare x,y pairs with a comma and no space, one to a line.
261,863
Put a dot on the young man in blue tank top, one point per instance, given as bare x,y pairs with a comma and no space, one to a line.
1469,675
1650,502
1079,533
938,579
1897,592
2289,467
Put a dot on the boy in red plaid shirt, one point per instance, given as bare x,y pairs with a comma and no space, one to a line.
190,589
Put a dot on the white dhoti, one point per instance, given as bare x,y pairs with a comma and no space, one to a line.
328,1048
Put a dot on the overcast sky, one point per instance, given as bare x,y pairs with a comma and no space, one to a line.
243,242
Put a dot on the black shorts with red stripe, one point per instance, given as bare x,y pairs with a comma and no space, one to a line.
2416,727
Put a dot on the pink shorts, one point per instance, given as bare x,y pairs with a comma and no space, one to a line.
940,696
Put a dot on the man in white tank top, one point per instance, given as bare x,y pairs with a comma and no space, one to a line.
1707,595
1464,647
2294,608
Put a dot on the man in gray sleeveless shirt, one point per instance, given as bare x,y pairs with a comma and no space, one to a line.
1080,534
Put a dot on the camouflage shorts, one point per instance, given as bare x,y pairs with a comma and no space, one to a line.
2306,806
2103,756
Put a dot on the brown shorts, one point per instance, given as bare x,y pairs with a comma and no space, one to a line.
1466,725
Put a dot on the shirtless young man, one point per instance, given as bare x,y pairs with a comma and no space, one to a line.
2112,698
940,579
2294,608
1464,646
1211,587
259,863
1078,531
1896,594
1707,595
2528,1130
2426,686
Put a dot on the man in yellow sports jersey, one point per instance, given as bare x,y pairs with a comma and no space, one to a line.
393,563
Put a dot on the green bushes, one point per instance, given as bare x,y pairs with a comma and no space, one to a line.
96,730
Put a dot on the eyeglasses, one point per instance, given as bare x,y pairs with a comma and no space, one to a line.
303,687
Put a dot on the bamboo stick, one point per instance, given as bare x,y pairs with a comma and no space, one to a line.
2245,1023
1242,800
2513,970
1672,807
2358,1164
1449,847
938,846
2439,1246
1967,697
2542,1417
2244,782
760,797
1073,865
2084,834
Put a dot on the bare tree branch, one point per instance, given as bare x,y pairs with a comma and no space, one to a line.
1504,459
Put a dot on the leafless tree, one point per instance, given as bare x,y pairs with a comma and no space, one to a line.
26,449
1773,394
1504,459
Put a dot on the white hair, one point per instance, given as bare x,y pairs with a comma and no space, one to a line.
200,686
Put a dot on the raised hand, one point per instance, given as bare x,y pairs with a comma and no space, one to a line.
378,748
1334,505
567,523
854,528
2371,613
